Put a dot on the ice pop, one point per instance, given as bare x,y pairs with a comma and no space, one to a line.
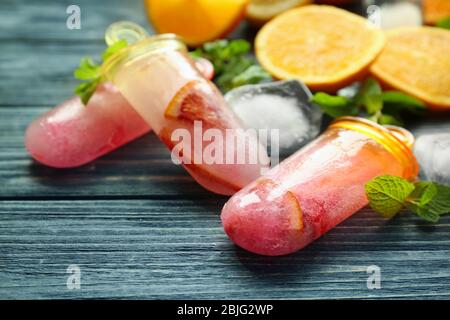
316,188
72,134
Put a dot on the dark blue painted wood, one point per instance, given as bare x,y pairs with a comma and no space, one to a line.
139,227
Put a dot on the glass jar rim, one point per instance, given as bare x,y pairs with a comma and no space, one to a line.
143,48
398,141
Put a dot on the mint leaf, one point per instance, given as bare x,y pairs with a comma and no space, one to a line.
387,194
440,204
396,102
232,65
370,96
90,72
116,47
253,74
400,98
387,119
444,23
87,70
334,106
423,193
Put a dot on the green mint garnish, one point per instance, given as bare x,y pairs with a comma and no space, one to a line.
370,102
233,66
334,106
90,72
444,23
388,195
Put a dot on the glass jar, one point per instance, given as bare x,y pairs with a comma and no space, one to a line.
317,187
159,79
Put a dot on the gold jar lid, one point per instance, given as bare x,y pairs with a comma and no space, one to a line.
140,45
398,141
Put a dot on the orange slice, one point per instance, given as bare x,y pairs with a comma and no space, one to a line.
261,11
417,61
293,205
198,100
196,21
435,10
325,47
335,2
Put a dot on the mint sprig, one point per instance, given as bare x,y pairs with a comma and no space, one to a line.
90,72
388,195
233,65
370,102
444,23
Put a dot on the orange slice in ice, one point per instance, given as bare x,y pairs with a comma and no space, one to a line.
435,10
292,204
325,47
198,100
196,21
417,61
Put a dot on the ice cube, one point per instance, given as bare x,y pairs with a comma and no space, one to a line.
433,153
282,105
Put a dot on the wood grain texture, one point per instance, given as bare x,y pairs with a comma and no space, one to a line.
177,249
140,227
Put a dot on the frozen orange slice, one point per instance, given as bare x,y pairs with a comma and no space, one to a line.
293,205
435,10
196,21
261,11
323,46
198,100
417,61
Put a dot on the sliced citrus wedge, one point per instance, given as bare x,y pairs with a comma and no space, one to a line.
196,21
261,11
416,60
325,47
198,100
296,214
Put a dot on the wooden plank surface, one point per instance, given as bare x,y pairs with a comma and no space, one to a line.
140,227
177,249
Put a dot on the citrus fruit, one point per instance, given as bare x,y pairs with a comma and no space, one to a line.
198,100
435,10
261,11
416,60
196,21
335,2
325,47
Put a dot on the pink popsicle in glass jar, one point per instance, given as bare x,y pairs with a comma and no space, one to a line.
316,188
158,78
72,134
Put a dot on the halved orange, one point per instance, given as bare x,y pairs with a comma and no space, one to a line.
325,47
196,21
261,11
435,10
416,60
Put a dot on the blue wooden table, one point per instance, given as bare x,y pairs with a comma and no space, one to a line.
137,226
